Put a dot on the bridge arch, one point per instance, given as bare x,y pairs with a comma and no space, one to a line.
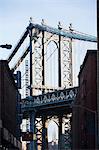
52,131
51,64
52,40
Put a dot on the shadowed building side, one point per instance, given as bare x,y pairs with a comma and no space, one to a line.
8,108
84,109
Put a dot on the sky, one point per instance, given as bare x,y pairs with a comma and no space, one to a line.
15,14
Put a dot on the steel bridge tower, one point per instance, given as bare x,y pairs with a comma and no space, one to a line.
39,40
52,105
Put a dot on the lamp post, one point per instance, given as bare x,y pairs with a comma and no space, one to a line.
95,114
7,46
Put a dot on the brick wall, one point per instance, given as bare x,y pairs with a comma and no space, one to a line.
85,105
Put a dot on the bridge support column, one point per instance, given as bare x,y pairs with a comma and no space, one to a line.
43,60
33,145
44,134
60,133
59,63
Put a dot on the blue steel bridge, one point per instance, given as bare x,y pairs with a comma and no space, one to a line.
49,103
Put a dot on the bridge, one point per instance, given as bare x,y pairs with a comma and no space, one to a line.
46,106
43,102
58,98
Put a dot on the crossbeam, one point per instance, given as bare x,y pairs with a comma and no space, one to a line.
63,33
52,98
48,88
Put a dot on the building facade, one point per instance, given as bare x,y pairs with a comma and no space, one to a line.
84,110
8,109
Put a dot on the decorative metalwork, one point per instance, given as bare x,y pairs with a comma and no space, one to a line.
39,126
67,132
38,67
67,95
67,78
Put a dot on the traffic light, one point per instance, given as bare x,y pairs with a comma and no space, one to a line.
27,136
17,78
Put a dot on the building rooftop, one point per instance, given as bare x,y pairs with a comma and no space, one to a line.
89,52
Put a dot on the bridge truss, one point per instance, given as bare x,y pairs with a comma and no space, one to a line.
54,105
49,105
41,36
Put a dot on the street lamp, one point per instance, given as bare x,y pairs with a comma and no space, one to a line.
95,113
7,46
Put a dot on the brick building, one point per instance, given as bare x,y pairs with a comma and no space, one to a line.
8,109
84,109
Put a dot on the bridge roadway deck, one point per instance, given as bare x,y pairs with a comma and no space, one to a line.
49,103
